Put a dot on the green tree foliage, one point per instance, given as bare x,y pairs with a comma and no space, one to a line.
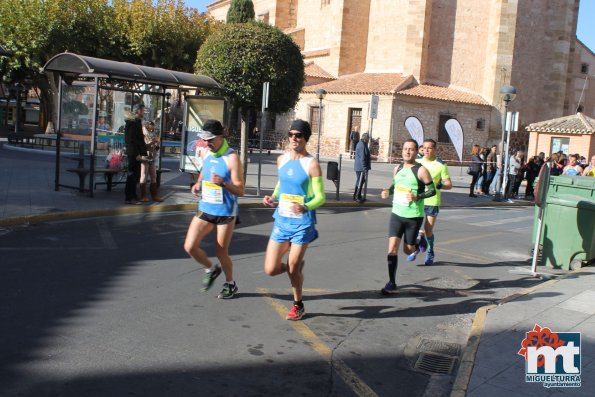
243,56
162,33
166,34
240,11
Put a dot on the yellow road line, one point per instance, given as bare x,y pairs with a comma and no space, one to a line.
349,377
474,237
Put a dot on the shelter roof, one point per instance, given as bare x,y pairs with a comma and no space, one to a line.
574,124
84,66
4,51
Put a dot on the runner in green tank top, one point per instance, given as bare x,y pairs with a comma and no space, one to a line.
412,183
441,177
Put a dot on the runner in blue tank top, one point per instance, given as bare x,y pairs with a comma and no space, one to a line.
220,183
298,193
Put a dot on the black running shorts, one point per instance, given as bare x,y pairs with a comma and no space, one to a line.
399,226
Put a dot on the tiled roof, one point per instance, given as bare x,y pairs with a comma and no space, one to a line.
574,124
313,70
444,94
364,83
391,84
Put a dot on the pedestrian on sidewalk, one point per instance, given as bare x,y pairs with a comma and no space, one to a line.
220,183
135,150
353,139
298,193
361,165
491,168
148,167
441,179
412,184
474,169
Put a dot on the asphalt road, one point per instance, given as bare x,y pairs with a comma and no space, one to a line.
113,307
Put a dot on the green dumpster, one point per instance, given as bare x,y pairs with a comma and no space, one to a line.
568,231
557,185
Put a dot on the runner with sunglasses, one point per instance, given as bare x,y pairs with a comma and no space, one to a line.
298,193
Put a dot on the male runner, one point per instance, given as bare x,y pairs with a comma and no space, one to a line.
220,183
441,178
412,183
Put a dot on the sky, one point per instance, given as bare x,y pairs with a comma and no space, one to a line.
585,30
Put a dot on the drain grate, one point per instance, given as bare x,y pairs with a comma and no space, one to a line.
435,363
440,347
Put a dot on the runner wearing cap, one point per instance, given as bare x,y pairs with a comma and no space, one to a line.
220,183
298,193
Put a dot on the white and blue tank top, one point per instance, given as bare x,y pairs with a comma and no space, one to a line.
215,200
295,185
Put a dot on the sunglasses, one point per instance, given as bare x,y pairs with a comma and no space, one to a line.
295,135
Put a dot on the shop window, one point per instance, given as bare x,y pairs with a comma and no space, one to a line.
560,144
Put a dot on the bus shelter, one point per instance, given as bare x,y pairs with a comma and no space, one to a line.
96,96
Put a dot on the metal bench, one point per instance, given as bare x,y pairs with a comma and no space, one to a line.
83,172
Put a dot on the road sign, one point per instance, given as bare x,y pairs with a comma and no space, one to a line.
374,107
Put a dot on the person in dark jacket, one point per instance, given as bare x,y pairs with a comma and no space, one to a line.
475,168
362,164
135,150
354,139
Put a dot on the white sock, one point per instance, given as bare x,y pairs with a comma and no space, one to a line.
210,269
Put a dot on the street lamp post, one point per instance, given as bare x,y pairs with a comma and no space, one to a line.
508,94
320,94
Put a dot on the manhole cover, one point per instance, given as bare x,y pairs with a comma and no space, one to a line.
435,363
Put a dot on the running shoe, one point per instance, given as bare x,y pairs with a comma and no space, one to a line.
429,259
209,278
295,313
411,257
228,291
388,288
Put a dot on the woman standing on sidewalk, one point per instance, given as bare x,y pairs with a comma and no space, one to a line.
474,168
298,193
148,163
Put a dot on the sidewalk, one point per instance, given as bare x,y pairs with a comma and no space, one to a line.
28,175
490,365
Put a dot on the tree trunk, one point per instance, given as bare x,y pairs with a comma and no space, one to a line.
244,144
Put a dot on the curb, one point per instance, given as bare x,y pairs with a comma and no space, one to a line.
463,377
67,215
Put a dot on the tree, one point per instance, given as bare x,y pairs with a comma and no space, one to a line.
243,56
240,11
164,33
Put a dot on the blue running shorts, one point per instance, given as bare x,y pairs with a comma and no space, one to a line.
296,234
431,210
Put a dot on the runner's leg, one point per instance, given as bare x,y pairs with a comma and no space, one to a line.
197,230
224,233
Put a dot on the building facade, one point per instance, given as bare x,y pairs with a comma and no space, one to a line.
433,59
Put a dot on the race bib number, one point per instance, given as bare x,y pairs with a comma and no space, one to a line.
400,196
286,203
212,193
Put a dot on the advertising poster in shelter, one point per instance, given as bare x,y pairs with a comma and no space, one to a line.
198,109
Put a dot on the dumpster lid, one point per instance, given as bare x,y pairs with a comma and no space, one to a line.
571,200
